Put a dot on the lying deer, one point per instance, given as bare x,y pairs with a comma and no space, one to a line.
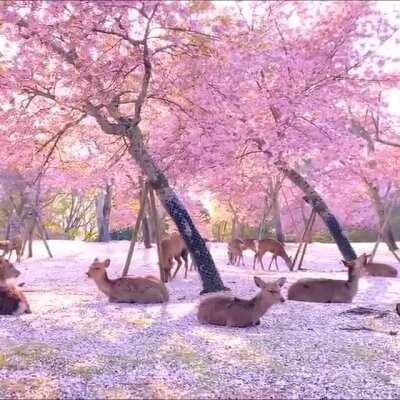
330,290
378,269
12,299
277,250
15,244
172,248
142,290
226,310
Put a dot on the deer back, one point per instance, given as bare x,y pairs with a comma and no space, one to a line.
378,269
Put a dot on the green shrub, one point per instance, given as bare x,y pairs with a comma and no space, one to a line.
121,234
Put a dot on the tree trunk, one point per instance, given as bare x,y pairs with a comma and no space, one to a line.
261,229
276,215
315,200
379,206
210,277
103,205
234,227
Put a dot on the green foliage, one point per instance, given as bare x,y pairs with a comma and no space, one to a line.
122,234
361,235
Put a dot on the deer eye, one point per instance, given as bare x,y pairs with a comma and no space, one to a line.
273,291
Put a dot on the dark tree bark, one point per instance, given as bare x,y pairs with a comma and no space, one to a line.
319,205
103,205
210,277
379,206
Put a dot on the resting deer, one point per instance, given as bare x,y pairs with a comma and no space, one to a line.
12,299
226,310
378,269
277,250
330,290
15,244
172,248
142,290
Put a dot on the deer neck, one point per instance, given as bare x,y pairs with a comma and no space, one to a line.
103,283
261,305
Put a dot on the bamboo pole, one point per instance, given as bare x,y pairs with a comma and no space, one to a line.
135,232
158,238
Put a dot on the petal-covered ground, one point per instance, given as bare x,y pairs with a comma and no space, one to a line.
75,344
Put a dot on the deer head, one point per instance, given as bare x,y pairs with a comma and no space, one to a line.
7,270
271,291
98,268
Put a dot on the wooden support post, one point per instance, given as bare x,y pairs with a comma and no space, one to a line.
303,236
307,241
158,238
42,234
142,207
381,230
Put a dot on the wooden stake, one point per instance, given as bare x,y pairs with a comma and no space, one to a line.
40,229
158,238
303,236
135,232
313,217
381,230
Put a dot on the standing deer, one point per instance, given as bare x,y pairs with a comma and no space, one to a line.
226,310
12,299
277,250
15,244
141,290
330,290
235,249
378,269
172,248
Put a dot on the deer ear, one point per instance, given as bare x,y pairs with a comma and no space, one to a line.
281,281
259,282
107,263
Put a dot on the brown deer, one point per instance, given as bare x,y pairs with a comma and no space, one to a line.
141,290
235,251
12,299
378,269
226,310
277,250
15,244
172,248
330,290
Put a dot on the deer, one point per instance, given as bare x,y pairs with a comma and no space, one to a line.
227,310
235,251
12,299
378,269
276,248
330,290
15,244
142,290
172,248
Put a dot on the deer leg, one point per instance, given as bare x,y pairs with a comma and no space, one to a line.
276,263
179,261
243,264
254,261
185,255
269,266
260,257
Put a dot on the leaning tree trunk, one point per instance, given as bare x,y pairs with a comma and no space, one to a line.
381,212
319,205
210,277
103,205
276,215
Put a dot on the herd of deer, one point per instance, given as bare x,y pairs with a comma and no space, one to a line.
220,308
